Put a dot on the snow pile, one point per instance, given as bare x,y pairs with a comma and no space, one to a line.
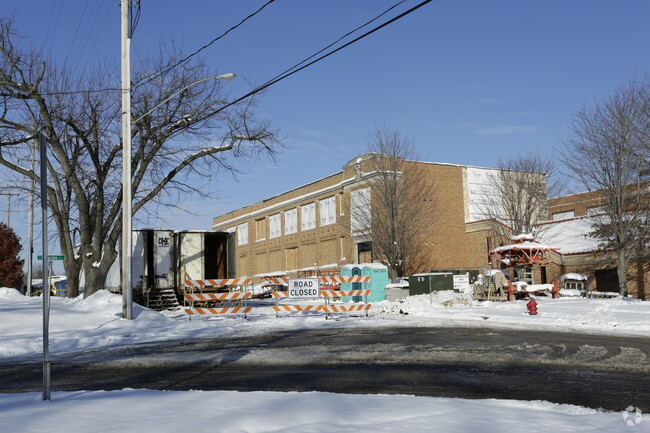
256,412
78,324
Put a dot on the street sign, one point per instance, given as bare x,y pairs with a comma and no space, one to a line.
303,287
51,257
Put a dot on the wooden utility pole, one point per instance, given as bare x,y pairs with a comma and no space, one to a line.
9,195
127,291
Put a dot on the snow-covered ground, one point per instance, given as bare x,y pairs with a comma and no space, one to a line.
77,324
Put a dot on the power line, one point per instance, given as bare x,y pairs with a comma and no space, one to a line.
282,77
338,40
147,79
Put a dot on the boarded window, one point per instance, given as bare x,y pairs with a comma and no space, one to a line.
360,209
242,234
291,259
308,216
558,216
275,226
328,211
291,221
260,229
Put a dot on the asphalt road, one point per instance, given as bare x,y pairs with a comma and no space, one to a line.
588,370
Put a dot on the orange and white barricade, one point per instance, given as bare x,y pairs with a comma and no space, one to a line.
202,284
330,308
211,303
328,295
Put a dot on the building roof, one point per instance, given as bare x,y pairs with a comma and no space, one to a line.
570,236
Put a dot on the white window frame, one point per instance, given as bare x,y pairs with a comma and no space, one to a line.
327,211
360,209
242,234
308,216
564,215
291,221
275,226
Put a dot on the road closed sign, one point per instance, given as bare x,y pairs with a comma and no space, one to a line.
303,287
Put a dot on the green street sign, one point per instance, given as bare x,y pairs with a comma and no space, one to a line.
51,257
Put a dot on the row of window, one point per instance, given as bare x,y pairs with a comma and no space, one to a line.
327,211
591,211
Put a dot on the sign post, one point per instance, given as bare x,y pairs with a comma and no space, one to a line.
46,293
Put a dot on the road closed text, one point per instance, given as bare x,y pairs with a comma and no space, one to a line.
303,288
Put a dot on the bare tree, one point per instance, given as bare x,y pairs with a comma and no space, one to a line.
516,195
398,204
180,134
608,152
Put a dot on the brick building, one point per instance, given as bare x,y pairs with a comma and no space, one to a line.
571,222
308,229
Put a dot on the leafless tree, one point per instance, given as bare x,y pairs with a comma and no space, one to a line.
400,203
179,135
516,195
608,152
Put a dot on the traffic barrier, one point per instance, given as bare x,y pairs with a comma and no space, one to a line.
224,310
290,308
323,280
326,308
217,283
230,302
343,293
216,296
228,298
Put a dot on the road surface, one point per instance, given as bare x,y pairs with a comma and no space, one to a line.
588,370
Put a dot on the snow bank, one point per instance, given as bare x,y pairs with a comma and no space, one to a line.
79,324
147,411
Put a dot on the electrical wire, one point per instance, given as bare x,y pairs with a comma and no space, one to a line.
287,73
337,41
134,19
324,56
150,77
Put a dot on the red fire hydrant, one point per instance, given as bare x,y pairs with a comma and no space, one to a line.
532,307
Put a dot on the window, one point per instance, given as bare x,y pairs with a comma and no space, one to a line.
308,216
558,216
292,258
595,210
291,221
328,211
242,234
260,229
360,209
275,226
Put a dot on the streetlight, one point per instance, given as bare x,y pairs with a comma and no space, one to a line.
127,290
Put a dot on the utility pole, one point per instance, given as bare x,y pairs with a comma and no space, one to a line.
30,225
46,288
9,194
127,290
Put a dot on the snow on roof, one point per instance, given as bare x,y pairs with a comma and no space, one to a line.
524,246
571,236
573,276
364,265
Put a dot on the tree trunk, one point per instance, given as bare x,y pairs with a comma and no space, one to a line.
621,272
72,270
93,280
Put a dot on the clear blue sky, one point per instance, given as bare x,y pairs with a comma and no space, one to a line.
470,81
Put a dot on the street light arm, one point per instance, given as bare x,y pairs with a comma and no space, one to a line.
228,77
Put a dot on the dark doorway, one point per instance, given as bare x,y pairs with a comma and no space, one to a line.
364,251
606,280
215,255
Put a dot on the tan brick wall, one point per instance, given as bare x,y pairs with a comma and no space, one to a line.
579,203
447,242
